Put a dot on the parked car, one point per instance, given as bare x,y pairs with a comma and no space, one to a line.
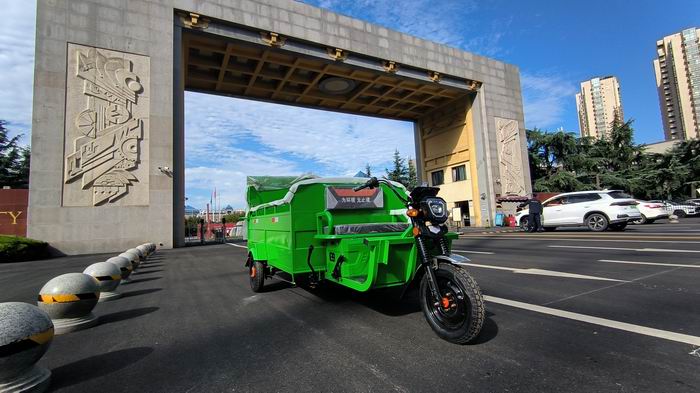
679,209
597,210
651,211
695,202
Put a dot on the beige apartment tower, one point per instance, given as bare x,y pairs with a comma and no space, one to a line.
677,69
598,105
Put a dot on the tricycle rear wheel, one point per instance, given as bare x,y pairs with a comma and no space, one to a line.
459,315
256,272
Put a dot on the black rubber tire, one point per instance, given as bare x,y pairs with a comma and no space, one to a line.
256,273
524,223
680,213
618,227
461,282
550,229
643,220
597,222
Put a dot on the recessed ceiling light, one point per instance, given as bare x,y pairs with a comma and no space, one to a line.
335,85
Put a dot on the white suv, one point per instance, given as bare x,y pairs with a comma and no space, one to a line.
598,210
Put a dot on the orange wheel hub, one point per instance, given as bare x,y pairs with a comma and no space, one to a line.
445,303
252,271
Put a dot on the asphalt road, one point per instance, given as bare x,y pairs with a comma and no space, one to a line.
189,323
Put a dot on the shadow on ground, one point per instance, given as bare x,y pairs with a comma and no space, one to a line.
96,366
125,315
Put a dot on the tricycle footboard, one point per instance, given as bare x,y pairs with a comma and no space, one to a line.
368,263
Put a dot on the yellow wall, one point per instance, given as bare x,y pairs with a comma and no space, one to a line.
446,136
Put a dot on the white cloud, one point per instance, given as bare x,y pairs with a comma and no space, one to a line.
17,64
444,23
227,139
545,98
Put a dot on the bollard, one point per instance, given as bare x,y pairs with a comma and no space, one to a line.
69,300
108,276
144,250
673,219
138,252
133,257
125,264
25,335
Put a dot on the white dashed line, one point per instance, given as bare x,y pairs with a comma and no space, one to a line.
647,331
542,272
474,252
629,249
237,245
648,263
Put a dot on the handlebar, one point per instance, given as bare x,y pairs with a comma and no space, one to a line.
371,183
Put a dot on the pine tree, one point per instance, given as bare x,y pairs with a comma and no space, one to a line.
14,160
412,175
399,173
368,170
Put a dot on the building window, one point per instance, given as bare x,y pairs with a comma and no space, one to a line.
438,177
459,173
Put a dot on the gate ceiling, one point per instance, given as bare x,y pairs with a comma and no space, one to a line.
221,65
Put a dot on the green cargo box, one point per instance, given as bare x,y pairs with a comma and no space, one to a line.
362,240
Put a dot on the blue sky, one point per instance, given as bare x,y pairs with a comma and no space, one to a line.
556,44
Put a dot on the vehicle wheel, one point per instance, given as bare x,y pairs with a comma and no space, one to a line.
257,276
597,222
618,227
549,229
680,213
642,220
459,315
524,222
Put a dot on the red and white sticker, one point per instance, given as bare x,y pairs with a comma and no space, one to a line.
255,221
275,219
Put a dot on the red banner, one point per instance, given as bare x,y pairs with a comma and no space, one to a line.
13,212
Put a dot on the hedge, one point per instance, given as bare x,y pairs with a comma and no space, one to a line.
15,249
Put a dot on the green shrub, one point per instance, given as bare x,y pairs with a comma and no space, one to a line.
15,248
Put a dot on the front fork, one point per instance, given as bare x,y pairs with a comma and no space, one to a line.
425,262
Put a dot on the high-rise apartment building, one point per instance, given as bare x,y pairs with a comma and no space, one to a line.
598,104
677,68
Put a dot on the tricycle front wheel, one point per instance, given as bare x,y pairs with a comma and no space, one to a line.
256,272
459,314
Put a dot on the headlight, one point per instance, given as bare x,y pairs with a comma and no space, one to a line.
435,209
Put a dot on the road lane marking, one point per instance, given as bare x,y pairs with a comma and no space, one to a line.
626,249
647,263
647,331
474,252
578,239
542,272
237,245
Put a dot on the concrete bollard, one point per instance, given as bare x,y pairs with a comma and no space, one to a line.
137,252
144,250
673,219
108,275
25,335
125,265
133,257
69,300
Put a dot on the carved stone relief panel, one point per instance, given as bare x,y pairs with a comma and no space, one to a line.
510,157
106,129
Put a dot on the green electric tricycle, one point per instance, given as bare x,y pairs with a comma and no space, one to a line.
363,234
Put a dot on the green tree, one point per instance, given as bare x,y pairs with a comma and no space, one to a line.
412,175
560,162
368,170
399,173
14,160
